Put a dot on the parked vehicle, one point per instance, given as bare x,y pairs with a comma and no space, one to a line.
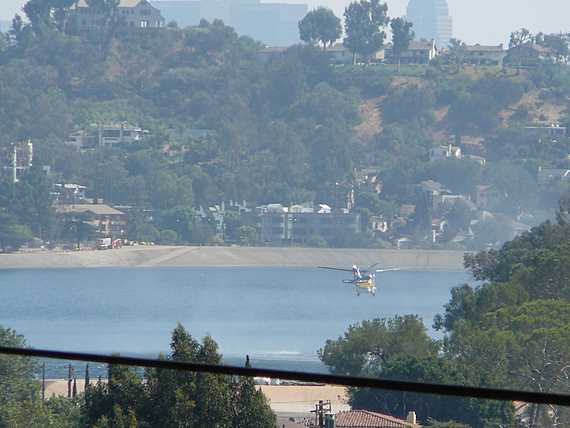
104,244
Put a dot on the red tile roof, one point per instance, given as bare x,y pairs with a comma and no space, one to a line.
366,419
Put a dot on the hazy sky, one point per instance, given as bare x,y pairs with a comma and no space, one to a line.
483,21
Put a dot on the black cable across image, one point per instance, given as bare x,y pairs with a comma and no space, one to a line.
331,379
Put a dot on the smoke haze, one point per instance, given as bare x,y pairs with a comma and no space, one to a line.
482,21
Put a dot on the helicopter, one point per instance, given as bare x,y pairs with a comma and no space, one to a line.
362,279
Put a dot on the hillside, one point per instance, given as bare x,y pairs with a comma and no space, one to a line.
216,122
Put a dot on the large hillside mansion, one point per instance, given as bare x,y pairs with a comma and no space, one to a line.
130,14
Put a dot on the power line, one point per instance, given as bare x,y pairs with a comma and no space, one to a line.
330,379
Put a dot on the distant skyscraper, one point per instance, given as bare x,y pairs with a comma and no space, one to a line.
275,24
431,20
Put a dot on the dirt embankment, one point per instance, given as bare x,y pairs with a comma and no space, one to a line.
178,256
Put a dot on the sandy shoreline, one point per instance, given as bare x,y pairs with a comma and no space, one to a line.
186,256
293,400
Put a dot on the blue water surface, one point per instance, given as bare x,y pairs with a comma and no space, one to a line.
270,313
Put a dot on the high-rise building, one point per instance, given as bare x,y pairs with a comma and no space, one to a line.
275,24
431,20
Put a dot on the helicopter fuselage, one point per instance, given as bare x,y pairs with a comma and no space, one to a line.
365,282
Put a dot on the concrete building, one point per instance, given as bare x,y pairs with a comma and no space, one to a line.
301,223
131,14
431,20
106,220
101,135
274,24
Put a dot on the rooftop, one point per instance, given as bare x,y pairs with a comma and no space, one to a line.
484,48
97,209
367,419
434,186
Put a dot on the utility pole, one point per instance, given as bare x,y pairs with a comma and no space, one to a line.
14,164
86,387
44,381
321,408
69,379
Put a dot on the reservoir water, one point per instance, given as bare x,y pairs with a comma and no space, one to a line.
273,314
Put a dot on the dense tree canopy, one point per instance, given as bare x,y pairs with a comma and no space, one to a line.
320,26
402,35
365,23
509,331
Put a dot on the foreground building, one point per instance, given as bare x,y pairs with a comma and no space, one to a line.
367,419
431,20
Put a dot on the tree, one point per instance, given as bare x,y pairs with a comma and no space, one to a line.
77,226
558,43
378,340
458,175
436,424
106,8
365,23
119,400
456,55
47,14
247,235
168,237
316,241
168,398
432,369
251,406
517,41
20,400
108,14
410,105
472,111
520,37
320,26
402,35
12,234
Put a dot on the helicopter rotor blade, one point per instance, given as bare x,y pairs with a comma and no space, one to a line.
371,267
333,268
388,270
